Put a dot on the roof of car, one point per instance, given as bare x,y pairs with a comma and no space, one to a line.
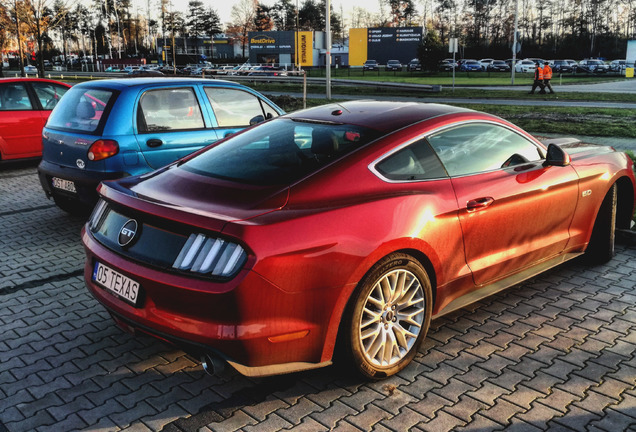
379,115
17,79
121,83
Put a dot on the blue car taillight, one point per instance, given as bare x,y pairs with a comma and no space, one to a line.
210,256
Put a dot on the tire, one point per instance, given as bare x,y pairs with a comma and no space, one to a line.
601,247
71,206
389,315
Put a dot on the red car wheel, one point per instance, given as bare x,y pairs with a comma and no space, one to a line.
390,315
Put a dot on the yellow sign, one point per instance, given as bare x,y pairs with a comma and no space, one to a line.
629,73
357,46
262,39
305,48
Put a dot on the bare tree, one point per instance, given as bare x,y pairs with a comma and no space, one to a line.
243,14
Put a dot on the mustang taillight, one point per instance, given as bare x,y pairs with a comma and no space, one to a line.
210,256
102,149
96,217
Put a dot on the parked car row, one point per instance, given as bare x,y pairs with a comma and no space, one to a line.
528,65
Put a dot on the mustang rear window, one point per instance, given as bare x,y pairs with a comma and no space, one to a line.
280,151
81,110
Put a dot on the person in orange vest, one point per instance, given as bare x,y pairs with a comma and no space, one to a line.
538,79
547,76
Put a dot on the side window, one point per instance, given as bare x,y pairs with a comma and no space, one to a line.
481,147
49,94
14,97
169,110
415,162
236,108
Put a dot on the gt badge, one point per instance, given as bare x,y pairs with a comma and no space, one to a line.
127,233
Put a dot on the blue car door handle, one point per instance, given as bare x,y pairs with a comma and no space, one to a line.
154,142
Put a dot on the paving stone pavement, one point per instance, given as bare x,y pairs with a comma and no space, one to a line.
554,353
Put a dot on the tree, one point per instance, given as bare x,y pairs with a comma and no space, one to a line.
194,22
431,50
243,14
262,18
284,15
402,12
211,25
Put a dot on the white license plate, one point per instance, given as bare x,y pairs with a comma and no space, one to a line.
117,283
65,185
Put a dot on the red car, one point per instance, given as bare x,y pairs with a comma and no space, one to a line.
25,105
348,225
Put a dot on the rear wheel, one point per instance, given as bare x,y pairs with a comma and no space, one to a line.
601,247
389,316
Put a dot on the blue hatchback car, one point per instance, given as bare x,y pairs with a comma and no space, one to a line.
108,129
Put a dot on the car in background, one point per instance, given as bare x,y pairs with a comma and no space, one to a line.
414,65
561,66
393,65
25,105
485,63
618,65
447,65
247,253
130,69
470,65
171,70
498,66
370,65
267,71
30,69
525,66
224,70
115,128
537,60
592,66
112,69
137,73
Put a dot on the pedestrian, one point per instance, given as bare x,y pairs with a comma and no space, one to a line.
538,79
547,76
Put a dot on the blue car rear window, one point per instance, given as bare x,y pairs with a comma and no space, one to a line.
81,110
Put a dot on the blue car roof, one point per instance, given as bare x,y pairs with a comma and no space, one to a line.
122,83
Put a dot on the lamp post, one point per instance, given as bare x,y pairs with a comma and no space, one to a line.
514,44
328,51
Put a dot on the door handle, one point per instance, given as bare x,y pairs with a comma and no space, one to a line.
154,142
479,203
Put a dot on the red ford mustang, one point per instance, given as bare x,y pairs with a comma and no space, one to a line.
345,226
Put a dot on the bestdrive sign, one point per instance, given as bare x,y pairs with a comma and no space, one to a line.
305,48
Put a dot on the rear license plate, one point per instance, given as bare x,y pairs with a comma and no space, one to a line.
65,185
117,283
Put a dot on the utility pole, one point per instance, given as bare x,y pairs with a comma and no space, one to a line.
514,43
328,51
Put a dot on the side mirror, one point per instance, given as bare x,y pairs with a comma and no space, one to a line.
257,119
557,156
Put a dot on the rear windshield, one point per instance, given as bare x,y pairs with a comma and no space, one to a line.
280,151
81,110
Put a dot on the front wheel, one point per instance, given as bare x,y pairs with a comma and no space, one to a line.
389,316
601,246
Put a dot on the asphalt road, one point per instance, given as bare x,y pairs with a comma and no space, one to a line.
555,353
